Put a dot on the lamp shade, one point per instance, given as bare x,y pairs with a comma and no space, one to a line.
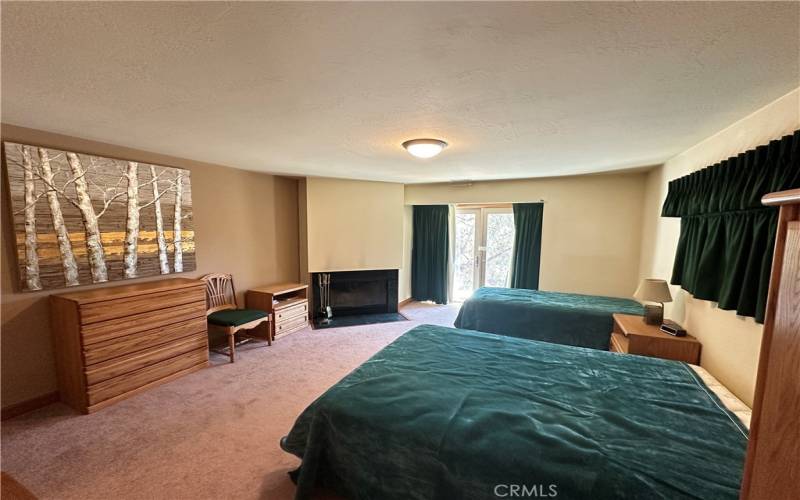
653,290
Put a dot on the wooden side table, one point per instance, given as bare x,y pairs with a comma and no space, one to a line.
287,302
632,335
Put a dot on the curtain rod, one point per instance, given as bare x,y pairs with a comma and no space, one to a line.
497,203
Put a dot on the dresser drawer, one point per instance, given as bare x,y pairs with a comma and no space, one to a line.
288,326
619,343
153,373
145,303
102,351
128,325
131,362
291,313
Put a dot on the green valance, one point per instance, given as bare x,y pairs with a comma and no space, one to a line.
727,236
429,253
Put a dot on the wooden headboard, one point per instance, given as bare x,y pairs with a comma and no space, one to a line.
772,469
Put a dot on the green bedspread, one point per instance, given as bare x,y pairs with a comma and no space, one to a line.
453,414
561,318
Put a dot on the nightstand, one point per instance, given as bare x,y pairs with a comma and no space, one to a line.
632,335
287,302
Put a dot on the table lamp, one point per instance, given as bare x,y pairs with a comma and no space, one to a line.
653,290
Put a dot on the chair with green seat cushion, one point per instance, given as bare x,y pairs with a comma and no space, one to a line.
235,317
224,314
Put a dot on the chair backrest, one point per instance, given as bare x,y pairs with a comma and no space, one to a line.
220,294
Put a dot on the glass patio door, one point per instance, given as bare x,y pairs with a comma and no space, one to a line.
484,241
466,273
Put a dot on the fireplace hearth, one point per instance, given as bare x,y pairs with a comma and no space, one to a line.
347,298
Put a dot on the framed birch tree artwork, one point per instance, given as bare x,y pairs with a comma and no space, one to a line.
81,219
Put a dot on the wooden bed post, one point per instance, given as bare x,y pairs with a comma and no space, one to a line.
772,467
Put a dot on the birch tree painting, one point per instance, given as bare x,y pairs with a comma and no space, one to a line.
82,219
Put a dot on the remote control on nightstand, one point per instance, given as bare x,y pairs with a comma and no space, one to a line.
672,328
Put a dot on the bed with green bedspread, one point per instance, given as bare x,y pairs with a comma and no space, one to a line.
448,414
561,318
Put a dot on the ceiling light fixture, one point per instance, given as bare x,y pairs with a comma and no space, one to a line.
424,148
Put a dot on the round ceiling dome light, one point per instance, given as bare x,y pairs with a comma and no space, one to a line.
424,148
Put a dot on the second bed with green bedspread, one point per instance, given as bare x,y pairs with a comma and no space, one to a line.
560,318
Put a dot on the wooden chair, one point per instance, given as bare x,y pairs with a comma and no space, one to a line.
223,312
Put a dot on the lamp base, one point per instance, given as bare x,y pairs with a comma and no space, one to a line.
653,315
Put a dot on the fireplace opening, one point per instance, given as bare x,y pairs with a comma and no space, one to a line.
347,298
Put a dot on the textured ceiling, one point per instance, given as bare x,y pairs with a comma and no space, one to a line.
333,89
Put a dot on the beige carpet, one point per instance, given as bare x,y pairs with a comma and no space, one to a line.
211,434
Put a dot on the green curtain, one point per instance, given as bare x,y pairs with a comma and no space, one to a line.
429,253
727,236
527,245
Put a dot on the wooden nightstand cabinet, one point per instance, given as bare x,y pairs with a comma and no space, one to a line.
287,302
632,335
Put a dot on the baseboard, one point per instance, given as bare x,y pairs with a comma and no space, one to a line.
18,409
406,301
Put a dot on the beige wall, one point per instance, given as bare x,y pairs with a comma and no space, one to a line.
245,223
404,291
591,229
353,225
302,230
731,343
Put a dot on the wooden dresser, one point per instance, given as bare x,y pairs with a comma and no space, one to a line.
288,303
112,343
